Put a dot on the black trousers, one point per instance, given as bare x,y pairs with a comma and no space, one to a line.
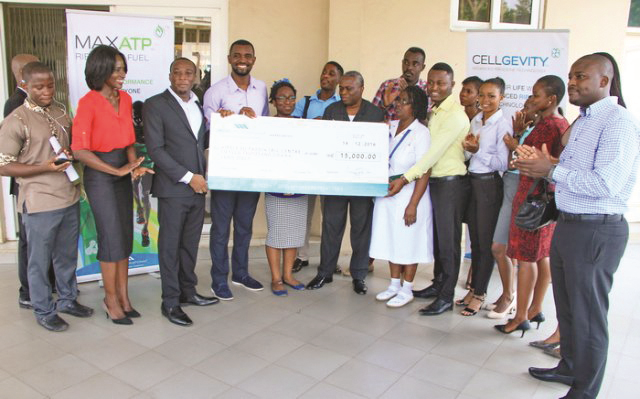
485,203
584,257
180,220
334,220
449,201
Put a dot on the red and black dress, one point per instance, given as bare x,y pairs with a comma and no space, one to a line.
531,246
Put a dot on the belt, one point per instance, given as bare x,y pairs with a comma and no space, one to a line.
575,217
446,178
485,176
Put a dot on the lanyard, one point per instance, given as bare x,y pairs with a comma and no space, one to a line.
404,136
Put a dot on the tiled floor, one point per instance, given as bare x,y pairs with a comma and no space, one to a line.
329,343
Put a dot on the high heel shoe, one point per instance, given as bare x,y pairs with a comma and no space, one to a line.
122,321
524,327
465,300
469,311
507,311
132,313
539,318
543,345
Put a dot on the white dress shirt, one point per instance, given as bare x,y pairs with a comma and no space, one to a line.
194,116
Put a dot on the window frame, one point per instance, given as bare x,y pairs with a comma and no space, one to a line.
494,18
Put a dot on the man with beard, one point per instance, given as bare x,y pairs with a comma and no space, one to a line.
354,108
238,93
312,107
412,66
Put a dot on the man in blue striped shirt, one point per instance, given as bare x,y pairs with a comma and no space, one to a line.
594,179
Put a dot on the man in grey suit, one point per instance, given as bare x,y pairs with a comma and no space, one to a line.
176,137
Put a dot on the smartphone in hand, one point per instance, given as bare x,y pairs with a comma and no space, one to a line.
60,161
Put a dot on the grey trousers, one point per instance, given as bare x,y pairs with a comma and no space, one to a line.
52,236
584,257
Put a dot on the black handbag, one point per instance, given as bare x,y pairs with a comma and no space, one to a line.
537,210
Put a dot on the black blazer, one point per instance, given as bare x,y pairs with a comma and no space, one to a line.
367,112
16,100
172,145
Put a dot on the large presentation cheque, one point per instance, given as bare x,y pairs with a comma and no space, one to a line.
287,155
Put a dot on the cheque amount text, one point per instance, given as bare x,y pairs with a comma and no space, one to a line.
364,156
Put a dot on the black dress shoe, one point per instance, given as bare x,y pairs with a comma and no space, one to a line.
176,315
436,307
298,264
429,292
199,300
551,375
359,287
76,309
318,282
53,323
25,302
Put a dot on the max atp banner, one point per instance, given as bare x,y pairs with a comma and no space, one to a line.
520,57
147,43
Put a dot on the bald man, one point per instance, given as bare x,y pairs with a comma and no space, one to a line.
17,98
594,178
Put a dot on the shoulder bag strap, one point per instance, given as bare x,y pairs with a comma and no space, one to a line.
307,100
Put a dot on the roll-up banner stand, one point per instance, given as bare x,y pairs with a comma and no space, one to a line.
147,43
520,57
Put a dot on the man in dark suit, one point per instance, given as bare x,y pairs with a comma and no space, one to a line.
334,213
17,99
176,137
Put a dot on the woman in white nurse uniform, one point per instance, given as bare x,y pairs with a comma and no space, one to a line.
402,231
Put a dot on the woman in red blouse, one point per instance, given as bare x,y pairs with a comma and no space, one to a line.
103,138
531,248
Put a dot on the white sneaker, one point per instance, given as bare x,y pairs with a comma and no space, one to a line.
388,294
400,300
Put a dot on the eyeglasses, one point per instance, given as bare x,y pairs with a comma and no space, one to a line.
402,101
283,98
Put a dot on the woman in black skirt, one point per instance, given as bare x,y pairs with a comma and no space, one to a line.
103,138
